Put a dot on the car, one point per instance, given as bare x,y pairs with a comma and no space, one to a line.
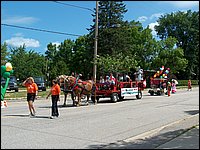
40,81
12,85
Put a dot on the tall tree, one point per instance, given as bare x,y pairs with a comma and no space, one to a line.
110,22
184,26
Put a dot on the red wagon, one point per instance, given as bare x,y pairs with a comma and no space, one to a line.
118,91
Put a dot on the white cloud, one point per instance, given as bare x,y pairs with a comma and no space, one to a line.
142,19
151,26
19,41
19,20
156,16
183,4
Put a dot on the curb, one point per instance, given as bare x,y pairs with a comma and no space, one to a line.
154,138
154,131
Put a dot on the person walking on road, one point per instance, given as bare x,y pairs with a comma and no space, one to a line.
173,87
189,85
32,91
168,88
55,97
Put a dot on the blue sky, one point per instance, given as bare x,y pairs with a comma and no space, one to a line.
48,15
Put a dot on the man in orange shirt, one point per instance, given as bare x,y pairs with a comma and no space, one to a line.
55,95
32,91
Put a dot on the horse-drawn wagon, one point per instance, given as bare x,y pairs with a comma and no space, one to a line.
118,91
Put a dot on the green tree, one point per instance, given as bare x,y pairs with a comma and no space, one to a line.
27,63
170,56
143,46
4,54
82,57
111,36
65,54
184,26
119,64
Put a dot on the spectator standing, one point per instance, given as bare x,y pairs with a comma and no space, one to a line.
32,91
55,97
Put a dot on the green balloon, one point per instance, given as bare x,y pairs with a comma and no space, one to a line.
11,71
6,75
3,69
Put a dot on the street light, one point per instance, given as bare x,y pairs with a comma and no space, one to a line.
95,49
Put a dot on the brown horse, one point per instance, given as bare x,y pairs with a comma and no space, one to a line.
78,87
62,82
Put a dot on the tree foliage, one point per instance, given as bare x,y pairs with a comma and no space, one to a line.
4,54
184,26
122,46
27,63
170,56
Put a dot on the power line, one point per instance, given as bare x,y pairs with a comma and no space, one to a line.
74,6
42,30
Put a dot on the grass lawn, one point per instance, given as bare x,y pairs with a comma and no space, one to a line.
22,94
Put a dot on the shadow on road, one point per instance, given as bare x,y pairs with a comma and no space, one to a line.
18,115
147,143
192,112
29,116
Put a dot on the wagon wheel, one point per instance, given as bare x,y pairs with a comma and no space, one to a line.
121,97
114,97
152,93
139,96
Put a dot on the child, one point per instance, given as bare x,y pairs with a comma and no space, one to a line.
173,87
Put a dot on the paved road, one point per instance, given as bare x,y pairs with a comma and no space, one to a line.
94,126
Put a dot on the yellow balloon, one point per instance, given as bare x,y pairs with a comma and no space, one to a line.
8,67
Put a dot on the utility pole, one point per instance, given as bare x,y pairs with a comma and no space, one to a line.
95,49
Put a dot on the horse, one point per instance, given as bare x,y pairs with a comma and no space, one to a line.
62,82
77,87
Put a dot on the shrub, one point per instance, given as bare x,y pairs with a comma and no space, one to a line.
185,82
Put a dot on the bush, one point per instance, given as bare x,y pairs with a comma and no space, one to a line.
185,82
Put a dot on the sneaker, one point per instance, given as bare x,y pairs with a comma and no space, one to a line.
52,117
33,114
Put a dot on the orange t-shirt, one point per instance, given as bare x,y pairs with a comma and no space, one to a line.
31,88
55,90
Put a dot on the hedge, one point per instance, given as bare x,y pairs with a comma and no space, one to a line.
185,82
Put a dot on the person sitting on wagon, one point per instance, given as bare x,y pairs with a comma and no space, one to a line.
101,80
112,79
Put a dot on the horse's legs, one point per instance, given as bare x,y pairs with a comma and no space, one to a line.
73,97
65,99
79,99
88,96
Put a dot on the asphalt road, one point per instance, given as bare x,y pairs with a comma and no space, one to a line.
92,126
